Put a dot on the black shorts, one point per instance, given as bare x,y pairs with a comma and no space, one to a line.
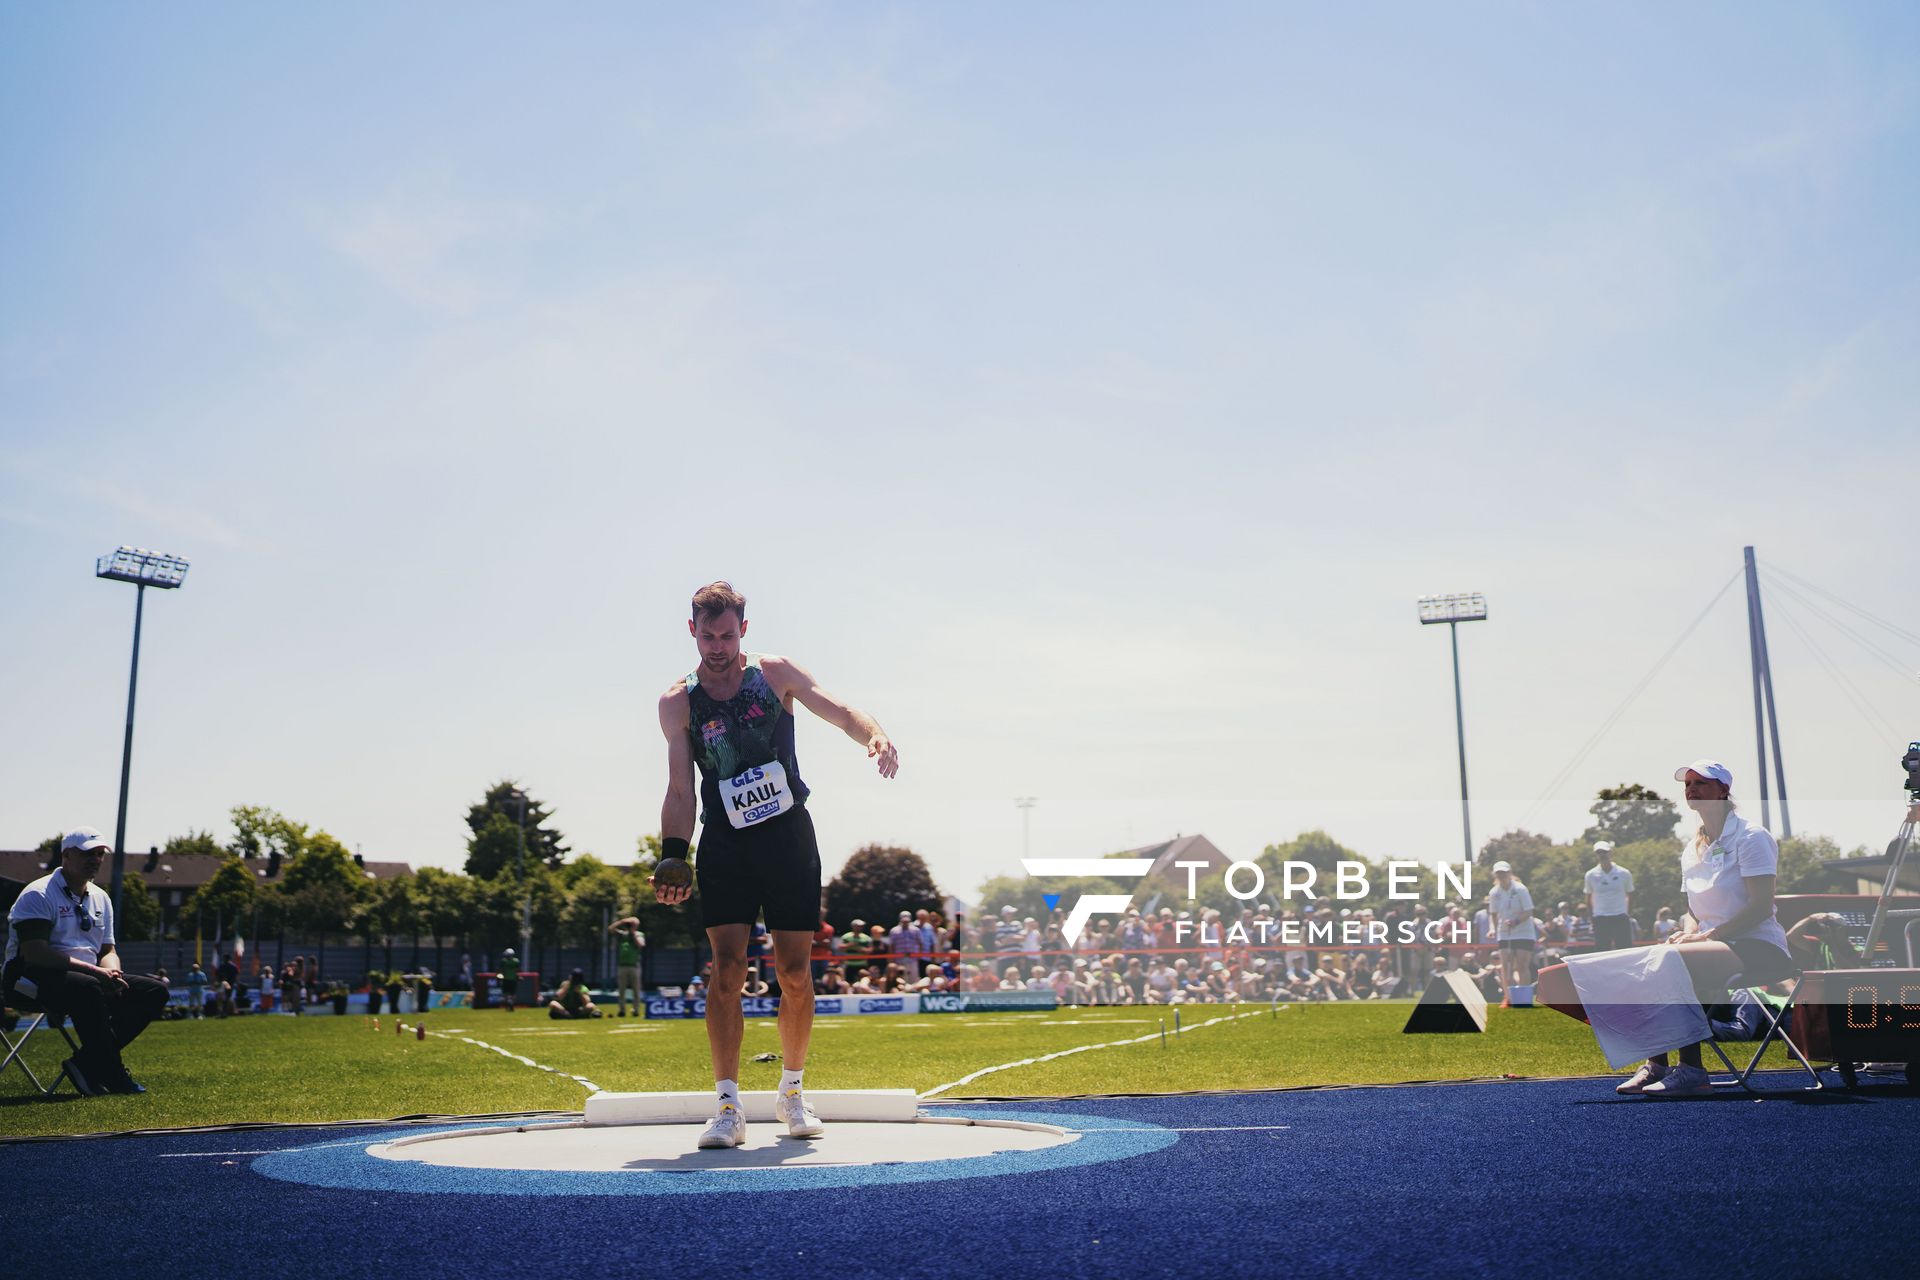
770,869
1527,945
1611,933
1761,963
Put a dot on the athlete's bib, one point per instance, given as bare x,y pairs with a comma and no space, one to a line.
756,795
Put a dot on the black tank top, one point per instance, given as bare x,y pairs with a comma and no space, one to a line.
748,729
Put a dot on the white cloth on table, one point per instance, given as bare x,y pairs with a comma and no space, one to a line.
1639,1002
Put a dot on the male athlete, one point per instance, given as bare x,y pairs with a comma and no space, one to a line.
734,718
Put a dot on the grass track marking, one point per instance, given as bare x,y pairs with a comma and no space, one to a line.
589,1085
1082,1048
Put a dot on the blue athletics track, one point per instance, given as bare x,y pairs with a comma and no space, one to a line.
1554,1178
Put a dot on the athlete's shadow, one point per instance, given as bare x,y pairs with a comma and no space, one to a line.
782,1153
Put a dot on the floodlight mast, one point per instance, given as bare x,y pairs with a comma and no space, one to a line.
1453,610
143,569
519,797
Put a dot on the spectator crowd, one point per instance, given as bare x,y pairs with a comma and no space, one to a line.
1169,956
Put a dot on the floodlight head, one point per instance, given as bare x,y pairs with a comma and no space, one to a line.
1465,606
139,565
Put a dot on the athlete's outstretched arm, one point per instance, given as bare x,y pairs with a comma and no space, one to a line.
790,677
677,810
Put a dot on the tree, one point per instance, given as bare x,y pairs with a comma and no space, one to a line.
1521,850
596,896
193,842
1655,865
1800,870
1558,874
1629,814
1315,847
878,882
447,903
322,887
260,832
229,894
494,850
48,851
496,913
483,819
388,910
139,918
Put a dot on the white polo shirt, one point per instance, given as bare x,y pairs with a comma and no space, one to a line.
1609,889
1514,900
1714,877
49,899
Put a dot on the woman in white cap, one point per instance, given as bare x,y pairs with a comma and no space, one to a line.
1728,870
1511,908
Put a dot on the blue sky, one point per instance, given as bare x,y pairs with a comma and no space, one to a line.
1088,393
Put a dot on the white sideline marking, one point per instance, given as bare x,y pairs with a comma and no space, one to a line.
589,1085
1083,1048
269,1151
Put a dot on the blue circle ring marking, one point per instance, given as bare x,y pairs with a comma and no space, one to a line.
347,1166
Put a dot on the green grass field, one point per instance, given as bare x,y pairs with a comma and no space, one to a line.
313,1069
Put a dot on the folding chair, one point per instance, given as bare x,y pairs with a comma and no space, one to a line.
1775,1022
17,1046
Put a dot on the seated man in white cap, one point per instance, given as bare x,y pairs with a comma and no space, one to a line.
60,953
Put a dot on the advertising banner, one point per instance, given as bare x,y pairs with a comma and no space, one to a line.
769,1006
987,1001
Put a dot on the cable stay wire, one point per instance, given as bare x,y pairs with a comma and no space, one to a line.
1895,628
1861,703
1889,660
1587,748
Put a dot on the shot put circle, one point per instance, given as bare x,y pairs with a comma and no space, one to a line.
573,1159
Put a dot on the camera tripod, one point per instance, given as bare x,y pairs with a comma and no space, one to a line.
1882,915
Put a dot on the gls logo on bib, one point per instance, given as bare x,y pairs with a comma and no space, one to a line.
756,795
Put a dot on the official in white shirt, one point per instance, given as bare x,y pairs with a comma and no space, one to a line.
1610,900
60,952
1511,907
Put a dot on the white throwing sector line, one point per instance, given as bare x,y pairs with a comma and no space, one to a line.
1082,1048
591,1087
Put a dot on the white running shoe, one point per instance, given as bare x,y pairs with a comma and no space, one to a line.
727,1129
791,1107
1682,1081
1639,1080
